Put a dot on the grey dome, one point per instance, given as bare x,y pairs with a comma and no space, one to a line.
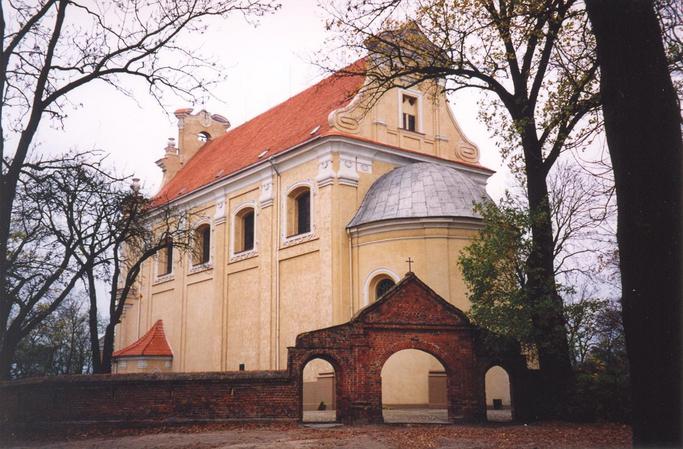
420,190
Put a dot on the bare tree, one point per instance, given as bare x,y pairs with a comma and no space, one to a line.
51,49
42,247
135,233
535,61
58,345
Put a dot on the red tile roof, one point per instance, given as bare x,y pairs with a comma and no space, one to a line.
153,343
278,129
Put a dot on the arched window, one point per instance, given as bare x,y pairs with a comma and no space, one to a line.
202,247
299,211
244,230
383,286
379,285
165,259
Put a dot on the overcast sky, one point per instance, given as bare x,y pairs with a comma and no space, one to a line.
264,65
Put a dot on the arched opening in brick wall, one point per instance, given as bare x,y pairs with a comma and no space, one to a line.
414,388
498,394
319,391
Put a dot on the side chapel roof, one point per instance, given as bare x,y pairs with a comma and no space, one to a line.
420,190
153,343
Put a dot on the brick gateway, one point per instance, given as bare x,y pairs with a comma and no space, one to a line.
409,316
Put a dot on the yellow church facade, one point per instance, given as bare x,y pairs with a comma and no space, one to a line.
302,217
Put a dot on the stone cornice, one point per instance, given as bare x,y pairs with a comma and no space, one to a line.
315,149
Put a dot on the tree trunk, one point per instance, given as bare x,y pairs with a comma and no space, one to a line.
108,348
644,138
94,342
541,289
7,351
93,324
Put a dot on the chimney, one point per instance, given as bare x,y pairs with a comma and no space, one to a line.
193,132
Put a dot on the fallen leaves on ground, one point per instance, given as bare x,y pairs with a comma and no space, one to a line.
416,436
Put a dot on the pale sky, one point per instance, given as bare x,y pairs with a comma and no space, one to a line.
264,65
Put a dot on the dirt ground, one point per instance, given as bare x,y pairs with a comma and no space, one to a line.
293,436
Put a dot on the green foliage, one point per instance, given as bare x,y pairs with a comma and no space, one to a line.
493,267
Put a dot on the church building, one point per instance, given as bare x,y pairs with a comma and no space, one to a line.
303,216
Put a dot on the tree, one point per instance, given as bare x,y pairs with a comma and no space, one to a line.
109,229
582,326
536,62
494,263
131,240
493,266
50,50
642,124
58,345
41,254
600,363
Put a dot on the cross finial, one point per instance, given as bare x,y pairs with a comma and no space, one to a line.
410,264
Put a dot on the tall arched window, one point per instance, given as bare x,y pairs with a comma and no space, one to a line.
202,247
244,230
299,211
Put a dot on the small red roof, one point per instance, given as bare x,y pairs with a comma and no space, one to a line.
153,343
298,119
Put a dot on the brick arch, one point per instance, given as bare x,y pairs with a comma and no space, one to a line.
424,345
410,316
511,384
339,376
329,357
453,404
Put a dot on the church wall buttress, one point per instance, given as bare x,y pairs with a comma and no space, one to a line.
265,221
244,305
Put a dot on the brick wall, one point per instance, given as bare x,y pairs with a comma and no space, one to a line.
148,398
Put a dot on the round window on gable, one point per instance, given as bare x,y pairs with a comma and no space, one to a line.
203,136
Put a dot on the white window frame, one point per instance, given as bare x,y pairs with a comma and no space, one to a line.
158,277
371,276
251,204
288,240
206,265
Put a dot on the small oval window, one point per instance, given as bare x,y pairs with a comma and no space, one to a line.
203,136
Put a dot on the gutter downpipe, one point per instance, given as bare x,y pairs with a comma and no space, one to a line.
351,292
276,260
